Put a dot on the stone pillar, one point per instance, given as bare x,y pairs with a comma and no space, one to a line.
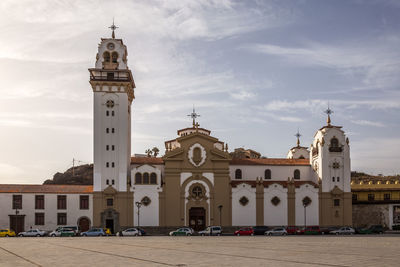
259,202
291,199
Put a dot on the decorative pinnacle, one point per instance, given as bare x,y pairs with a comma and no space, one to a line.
329,112
113,28
298,135
194,116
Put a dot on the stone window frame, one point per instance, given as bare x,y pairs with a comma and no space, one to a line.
267,174
244,201
238,174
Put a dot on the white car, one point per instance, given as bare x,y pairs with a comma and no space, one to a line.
343,231
276,231
129,232
62,231
33,232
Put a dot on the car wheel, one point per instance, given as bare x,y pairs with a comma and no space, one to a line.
189,234
284,233
218,234
7,235
135,234
84,235
322,233
269,234
238,234
337,233
37,235
103,235
252,234
53,235
202,234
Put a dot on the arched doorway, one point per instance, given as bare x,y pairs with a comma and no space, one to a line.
84,224
197,218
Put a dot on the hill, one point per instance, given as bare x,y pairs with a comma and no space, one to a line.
79,175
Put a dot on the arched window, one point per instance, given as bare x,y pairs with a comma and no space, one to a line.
238,174
267,174
338,179
296,174
145,178
114,56
106,56
333,179
334,142
153,178
138,178
107,182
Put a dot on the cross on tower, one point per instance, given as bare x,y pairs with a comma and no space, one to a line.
113,28
329,112
298,135
194,116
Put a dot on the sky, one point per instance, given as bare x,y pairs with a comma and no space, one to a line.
256,72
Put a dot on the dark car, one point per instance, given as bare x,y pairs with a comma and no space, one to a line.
327,230
142,232
260,230
309,230
376,229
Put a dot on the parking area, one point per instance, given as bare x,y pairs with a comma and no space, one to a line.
377,250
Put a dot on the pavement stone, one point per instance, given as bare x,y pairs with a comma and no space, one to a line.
377,250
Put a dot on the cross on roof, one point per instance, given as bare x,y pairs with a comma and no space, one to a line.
298,135
194,116
329,112
113,28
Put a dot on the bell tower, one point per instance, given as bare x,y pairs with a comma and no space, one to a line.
330,159
113,90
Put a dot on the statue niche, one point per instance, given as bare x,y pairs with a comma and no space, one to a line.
197,155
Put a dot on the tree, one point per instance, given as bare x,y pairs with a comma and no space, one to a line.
155,151
148,152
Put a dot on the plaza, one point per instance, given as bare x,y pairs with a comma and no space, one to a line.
377,250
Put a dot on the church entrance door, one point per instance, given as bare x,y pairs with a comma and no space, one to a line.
110,225
17,223
197,218
84,224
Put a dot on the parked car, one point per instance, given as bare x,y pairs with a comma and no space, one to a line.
343,231
327,230
309,230
276,231
61,231
74,228
292,230
186,231
141,231
244,231
260,230
377,229
32,232
211,230
129,232
6,232
94,232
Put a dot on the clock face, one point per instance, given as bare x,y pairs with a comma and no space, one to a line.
110,46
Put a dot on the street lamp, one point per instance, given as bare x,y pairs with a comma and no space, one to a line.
220,214
306,202
138,205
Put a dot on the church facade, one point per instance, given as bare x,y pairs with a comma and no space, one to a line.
196,183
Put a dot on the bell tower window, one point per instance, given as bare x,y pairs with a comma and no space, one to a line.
334,145
106,57
114,56
296,174
238,174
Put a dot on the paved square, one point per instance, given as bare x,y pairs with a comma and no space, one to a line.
202,251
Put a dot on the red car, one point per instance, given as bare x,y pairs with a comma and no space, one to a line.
292,230
244,231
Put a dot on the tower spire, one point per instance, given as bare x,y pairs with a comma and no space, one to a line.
298,135
328,112
113,28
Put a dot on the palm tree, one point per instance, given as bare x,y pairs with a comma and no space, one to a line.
155,151
148,152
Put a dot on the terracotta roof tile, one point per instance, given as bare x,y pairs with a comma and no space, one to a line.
146,160
271,161
37,188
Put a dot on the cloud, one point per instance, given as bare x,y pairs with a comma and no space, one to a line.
378,62
368,123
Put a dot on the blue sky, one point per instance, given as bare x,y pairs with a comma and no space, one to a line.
255,70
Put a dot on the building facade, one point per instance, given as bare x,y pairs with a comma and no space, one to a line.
197,182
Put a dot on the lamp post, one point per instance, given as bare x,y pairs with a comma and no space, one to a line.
220,214
305,215
16,220
138,205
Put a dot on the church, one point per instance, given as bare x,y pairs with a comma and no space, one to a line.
196,183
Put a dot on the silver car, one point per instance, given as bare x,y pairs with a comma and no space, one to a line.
129,232
211,230
343,231
276,231
32,232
